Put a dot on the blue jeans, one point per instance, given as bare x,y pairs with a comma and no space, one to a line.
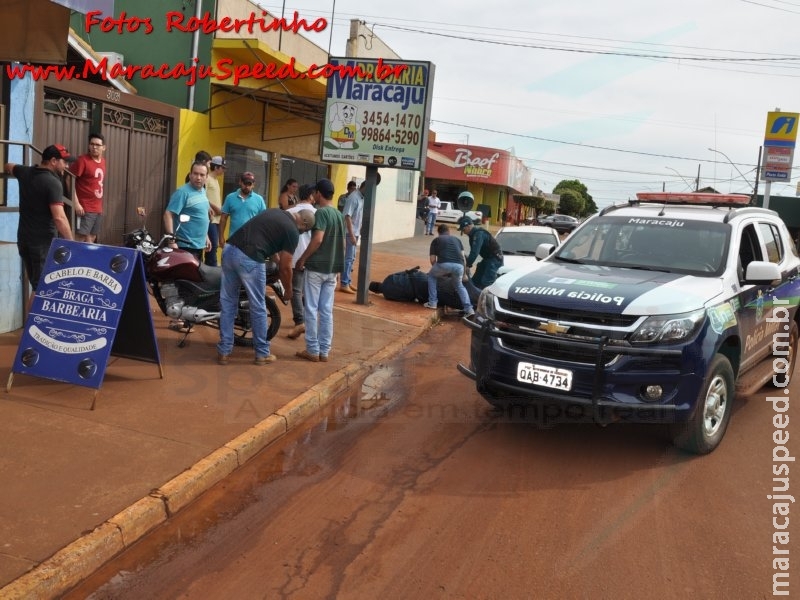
349,259
213,235
486,272
442,270
430,222
238,270
298,281
319,290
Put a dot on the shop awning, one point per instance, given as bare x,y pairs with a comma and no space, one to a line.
304,98
34,31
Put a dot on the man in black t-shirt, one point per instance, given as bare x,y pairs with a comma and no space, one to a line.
41,208
271,233
447,260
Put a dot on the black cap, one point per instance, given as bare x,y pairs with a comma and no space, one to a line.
57,151
325,187
464,222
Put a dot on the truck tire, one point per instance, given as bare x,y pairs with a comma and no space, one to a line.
706,427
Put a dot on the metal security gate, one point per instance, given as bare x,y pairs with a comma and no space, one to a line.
138,155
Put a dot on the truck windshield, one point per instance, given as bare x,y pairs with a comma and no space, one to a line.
675,245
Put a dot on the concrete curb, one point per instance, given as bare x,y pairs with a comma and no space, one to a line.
79,559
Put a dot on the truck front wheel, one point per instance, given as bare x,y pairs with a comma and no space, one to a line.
706,427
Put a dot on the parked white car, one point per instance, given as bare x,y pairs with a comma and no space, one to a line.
448,213
519,244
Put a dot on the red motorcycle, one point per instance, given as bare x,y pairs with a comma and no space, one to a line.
187,290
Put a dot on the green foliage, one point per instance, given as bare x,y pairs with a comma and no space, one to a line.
572,207
572,202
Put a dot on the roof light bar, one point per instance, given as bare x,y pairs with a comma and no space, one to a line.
703,198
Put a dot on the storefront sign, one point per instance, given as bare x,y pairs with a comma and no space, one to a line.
377,113
91,303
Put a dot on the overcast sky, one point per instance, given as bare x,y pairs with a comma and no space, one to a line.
619,94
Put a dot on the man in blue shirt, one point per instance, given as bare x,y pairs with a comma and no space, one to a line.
191,200
240,206
447,260
353,215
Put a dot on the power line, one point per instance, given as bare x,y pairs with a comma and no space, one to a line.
578,144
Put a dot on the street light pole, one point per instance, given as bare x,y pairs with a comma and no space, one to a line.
688,185
733,164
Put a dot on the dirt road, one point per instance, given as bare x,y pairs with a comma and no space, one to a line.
413,488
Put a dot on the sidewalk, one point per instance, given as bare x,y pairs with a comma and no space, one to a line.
78,486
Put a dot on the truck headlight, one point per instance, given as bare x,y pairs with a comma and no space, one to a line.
485,308
668,328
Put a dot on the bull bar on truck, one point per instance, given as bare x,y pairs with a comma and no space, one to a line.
599,345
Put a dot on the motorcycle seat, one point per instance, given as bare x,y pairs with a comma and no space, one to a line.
211,275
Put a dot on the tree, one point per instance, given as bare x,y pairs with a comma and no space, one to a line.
571,203
587,207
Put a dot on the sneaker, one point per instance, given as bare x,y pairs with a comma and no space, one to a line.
265,360
296,332
305,354
323,358
431,306
469,313
222,359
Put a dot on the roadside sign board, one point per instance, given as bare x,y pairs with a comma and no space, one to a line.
780,138
377,113
91,303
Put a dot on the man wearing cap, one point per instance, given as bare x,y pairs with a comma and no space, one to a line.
216,170
271,233
190,199
305,199
41,209
322,261
240,206
483,244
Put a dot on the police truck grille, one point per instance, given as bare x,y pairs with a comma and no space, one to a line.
543,313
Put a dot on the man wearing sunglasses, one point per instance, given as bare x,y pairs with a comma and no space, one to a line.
240,206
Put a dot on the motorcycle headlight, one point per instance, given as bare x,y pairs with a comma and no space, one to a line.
668,329
485,308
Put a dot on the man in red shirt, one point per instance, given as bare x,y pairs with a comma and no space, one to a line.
90,173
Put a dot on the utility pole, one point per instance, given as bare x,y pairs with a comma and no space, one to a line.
758,173
697,181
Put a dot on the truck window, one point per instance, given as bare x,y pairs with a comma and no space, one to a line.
772,242
749,249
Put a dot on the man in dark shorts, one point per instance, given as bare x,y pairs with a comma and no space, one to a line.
90,174
41,209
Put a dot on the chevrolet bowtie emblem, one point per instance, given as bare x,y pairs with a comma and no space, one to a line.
553,327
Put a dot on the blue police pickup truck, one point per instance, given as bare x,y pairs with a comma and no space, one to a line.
657,310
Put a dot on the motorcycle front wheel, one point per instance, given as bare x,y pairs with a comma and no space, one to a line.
242,331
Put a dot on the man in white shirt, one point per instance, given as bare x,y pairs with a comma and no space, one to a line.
433,211
305,199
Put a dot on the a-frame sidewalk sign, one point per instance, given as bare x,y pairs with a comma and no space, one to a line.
91,303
